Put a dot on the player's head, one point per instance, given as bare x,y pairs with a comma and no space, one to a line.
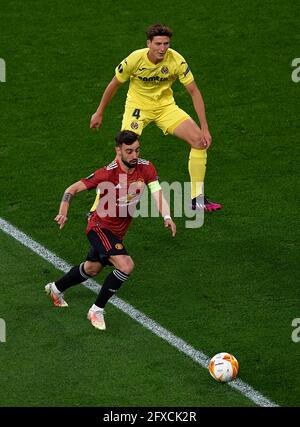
158,41
128,147
158,30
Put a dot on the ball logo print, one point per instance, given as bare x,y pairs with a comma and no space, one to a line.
296,73
2,71
223,367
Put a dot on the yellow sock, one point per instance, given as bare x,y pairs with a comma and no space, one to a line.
95,204
197,168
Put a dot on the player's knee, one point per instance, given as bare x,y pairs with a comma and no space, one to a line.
196,143
127,266
93,273
92,268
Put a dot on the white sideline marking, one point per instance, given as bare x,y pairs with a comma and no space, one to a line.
196,355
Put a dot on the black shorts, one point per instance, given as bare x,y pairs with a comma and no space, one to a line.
104,244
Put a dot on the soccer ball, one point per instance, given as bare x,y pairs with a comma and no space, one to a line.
223,367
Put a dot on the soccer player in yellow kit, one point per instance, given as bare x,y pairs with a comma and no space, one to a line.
152,71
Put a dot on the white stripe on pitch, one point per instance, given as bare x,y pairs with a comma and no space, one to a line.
196,355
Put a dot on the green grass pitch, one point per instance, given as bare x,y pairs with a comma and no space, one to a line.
228,286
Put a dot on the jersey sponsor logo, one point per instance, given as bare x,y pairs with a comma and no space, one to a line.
119,246
134,125
120,68
165,70
153,79
186,71
129,199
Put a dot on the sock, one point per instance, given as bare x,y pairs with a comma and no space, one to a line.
197,168
110,286
75,276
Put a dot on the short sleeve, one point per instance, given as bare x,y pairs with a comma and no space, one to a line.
100,175
185,75
124,69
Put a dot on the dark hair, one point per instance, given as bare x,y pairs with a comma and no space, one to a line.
158,30
126,137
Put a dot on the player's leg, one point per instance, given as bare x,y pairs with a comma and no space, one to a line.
123,267
110,251
190,132
78,274
177,122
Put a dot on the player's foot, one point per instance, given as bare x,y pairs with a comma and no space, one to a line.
58,297
211,206
97,319
208,206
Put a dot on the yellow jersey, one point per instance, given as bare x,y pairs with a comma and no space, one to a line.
150,84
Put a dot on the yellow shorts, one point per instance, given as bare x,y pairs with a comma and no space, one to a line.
166,118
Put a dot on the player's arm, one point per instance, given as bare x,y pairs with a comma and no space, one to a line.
108,94
163,207
199,107
61,218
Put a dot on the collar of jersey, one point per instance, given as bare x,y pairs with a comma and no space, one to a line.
123,171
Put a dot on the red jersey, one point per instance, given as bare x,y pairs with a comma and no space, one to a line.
120,192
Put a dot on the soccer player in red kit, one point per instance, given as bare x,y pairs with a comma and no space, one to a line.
120,185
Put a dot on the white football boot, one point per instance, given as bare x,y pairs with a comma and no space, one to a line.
58,297
97,319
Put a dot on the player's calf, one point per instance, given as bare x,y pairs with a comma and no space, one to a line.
56,289
112,283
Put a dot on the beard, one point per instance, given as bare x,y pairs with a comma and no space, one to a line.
130,165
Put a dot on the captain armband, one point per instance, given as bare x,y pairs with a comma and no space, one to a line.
154,186
67,197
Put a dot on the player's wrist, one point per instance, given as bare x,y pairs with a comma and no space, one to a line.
99,112
166,217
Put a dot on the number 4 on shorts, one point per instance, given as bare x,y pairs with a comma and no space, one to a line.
136,113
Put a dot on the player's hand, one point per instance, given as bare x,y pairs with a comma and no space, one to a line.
61,220
96,121
207,139
170,224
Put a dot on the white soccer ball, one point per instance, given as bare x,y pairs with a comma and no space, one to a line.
223,367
